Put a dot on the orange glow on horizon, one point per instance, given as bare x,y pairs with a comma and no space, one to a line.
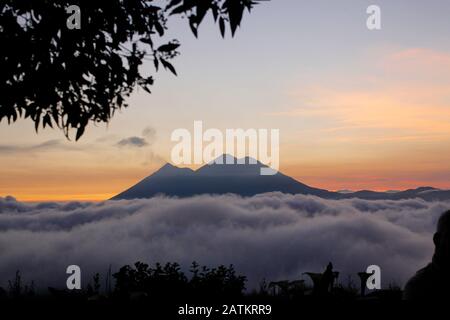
64,197
341,180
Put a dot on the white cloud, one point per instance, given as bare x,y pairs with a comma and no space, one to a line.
272,236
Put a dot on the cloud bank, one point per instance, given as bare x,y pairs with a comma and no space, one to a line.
273,236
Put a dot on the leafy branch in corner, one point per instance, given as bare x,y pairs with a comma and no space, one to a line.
68,78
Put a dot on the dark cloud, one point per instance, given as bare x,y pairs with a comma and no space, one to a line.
46,145
272,236
7,148
147,139
137,142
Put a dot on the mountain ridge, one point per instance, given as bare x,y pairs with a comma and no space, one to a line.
244,179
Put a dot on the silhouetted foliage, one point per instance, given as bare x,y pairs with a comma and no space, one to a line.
68,77
158,280
17,289
94,289
168,280
221,281
15,286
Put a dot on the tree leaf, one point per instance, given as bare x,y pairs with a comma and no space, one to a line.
222,27
168,47
167,65
80,132
47,121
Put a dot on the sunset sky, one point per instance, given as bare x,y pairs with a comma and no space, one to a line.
356,109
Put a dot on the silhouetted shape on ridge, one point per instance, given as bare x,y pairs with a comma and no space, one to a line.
363,277
323,282
433,281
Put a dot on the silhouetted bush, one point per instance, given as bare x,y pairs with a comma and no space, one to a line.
17,289
160,281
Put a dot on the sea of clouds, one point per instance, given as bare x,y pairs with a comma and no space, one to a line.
273,236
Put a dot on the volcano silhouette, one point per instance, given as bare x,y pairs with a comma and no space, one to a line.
242,179
245,180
